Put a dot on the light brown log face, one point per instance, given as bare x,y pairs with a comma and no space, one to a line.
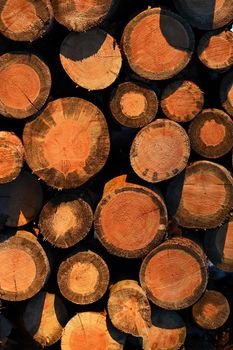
211,133
182,100
24,267
206,14
68,143
83,278
166,53
11,155
133,105
130,221
80,15
160,151
89,330
25,20
201,197
215,50
44,318
174,275
211,311
25,85
91,59
20,200
65,220
226,93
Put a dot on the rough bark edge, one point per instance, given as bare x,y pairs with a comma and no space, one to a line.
225,86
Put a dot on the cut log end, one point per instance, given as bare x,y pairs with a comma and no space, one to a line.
215,50
211,133
91,59
211,311
25,86
65,220
129,309
133,105
44,318
24,267
226,93
122,216
67,160
80,15
166,53
182,100
23,20
201,197
160,151
166,281
83,278
11,155
89,330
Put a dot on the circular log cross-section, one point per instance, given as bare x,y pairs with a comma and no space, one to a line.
219,246
89,330
11,155
182,100
174,275
130,221
83,278
133,105
80,15
153,51
226,92
215,50
206,14
20,200
24,267
65,220
91,59
211,311
25,85
201,196
129,308
160,151
211,133
44,318
66,159
25,20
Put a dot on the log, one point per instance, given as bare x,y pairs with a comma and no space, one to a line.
83,278
80,15
215,49
61,159
20,200
11,155
205,14
24,20
130,219
133,105
219,246
29,78
129,309
24,266
226,92
182,100
65,220
174,275
90,330
160,151
44,318
202,196
166,53
211,311
91,59
211,133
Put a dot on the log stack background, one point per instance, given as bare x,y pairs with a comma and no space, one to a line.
116,189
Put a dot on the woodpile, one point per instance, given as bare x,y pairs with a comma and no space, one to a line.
116,188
